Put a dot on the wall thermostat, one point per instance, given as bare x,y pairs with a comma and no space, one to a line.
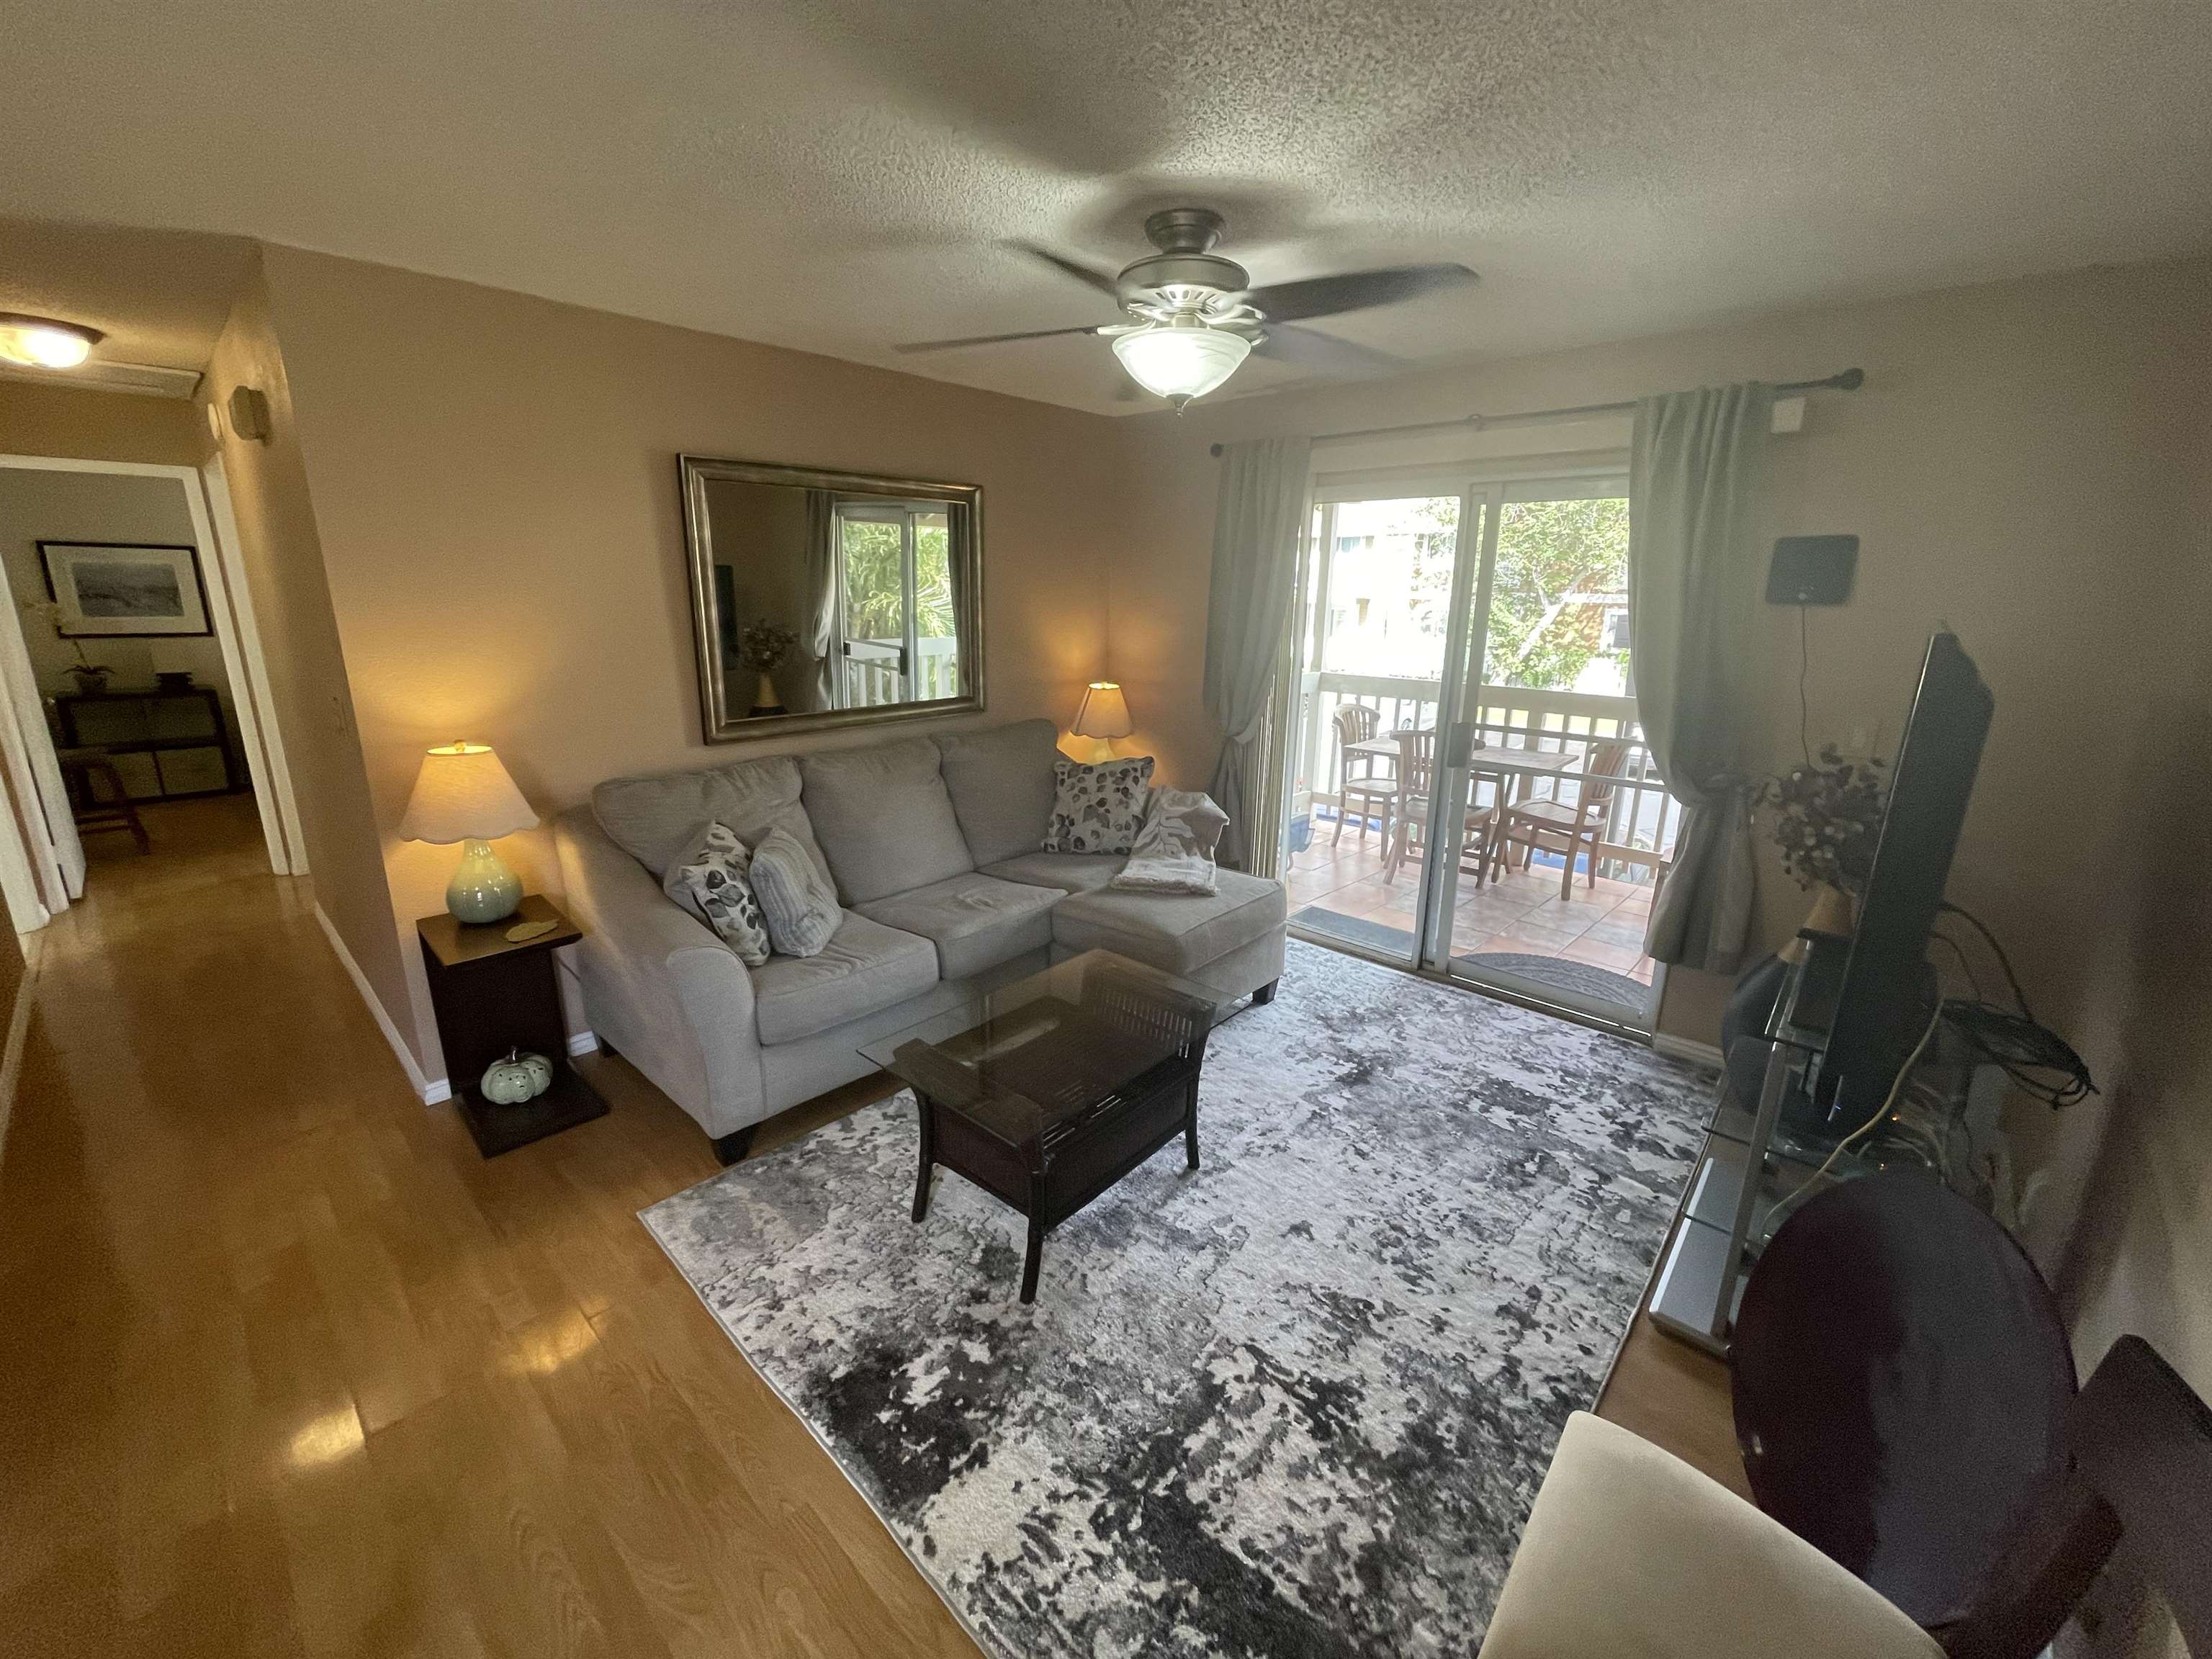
249,415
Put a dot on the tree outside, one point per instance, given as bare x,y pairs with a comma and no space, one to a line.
1556,560
875,584
1550,556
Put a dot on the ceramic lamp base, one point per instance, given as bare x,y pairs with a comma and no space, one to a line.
482,889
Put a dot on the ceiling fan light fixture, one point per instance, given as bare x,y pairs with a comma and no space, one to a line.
43,343
1181,361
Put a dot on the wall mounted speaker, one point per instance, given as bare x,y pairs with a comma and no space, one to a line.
1812,569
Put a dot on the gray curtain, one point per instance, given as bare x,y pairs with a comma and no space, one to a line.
1256,549
822,550
1697,525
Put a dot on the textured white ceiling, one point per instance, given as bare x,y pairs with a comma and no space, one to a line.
833,174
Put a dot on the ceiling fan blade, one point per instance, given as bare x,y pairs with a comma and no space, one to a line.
1326,353
995,340
1086,275
1355,291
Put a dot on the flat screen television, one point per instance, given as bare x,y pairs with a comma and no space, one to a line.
1883,1001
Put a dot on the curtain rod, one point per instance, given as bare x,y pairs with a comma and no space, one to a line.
1849,380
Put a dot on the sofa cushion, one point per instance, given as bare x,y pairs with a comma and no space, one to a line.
1177,931
655,819
1071,872
797,905
1001,786
709,878
865,966
1097,809
975,922
882,815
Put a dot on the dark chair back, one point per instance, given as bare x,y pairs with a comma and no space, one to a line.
1901,1379
2138,1467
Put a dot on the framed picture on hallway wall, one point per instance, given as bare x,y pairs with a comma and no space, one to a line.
116,590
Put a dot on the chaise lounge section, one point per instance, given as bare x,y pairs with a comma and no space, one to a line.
934,845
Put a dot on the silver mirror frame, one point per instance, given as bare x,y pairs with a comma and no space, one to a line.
717,722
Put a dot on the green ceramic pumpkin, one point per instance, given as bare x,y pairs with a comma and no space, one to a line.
518,1077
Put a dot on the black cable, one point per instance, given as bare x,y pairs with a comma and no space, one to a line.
1965,966
1804,662
2004,961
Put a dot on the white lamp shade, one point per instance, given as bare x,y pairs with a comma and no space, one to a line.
464,793
1181,361
1105,712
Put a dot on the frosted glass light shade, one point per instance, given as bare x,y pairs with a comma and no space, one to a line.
1105,712
464,793
40,343
1181,361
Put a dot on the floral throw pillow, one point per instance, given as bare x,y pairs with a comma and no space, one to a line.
1097,809
710,881
796,898
1175,849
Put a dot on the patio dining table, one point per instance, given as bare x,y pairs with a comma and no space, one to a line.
1514,771
1525,764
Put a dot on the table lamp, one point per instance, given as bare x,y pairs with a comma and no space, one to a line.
1104,713
464,795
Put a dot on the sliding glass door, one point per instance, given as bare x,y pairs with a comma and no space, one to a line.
895,605
1465,729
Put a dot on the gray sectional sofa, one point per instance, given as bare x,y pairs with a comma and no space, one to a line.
933,845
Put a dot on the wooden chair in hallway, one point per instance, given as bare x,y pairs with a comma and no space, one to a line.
1416,769
1552,826
80,767
1355,722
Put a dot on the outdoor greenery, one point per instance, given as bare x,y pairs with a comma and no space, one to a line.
1547,552
875,585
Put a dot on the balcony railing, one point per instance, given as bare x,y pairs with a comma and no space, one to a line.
1641,820
874,680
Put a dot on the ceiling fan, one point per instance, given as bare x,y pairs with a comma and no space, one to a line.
1195,316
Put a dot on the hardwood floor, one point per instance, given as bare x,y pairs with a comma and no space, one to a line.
289,1370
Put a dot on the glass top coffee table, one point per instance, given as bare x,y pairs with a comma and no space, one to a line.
1047,1091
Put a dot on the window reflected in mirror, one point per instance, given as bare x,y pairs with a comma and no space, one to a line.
826,597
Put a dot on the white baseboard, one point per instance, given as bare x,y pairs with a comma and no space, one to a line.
583,1042
1698,1053
431,1090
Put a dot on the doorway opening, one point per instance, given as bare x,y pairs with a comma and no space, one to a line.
1470,795
133,698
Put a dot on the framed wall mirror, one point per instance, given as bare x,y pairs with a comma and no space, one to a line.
830,599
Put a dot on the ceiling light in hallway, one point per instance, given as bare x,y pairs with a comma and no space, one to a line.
42,343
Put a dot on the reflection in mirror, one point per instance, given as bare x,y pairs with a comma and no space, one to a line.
826,598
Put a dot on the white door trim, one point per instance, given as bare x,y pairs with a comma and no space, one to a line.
215,528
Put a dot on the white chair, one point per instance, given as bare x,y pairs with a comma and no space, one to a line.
1631,1552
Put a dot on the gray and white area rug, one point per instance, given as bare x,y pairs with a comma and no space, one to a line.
1297,1402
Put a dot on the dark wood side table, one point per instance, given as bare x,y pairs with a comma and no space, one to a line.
493,995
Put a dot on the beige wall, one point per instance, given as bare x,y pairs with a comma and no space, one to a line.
282,550
494,481
2141,1259
2015,466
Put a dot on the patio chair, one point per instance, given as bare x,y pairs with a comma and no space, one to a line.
1355,722
1552,826
1417,768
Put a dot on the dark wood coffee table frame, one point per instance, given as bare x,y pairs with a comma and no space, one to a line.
1051,1174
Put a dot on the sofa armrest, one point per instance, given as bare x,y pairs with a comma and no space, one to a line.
658,984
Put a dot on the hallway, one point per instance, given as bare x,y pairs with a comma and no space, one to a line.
289,1370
